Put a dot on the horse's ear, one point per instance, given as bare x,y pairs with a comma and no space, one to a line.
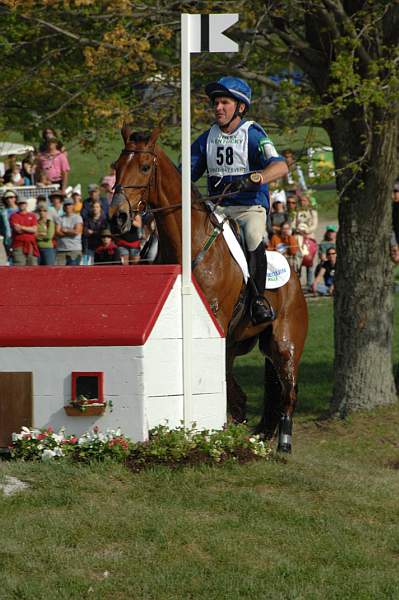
154,136
126,132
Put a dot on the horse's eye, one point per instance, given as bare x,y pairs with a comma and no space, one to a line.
145,168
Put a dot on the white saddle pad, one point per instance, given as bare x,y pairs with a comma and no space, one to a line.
278,269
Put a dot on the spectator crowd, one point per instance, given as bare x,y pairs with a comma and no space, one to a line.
62,228
292,225
65,229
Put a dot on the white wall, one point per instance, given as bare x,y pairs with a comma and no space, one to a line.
52,368
208,369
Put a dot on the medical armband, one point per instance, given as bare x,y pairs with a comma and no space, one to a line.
267,149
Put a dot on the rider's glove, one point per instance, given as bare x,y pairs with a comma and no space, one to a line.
250,182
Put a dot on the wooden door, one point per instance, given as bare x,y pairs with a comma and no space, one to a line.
16,404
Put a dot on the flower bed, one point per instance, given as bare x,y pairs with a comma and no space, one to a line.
165,446
45,444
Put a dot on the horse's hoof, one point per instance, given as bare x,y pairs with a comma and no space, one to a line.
285,448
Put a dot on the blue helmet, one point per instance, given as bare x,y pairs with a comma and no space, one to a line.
230,86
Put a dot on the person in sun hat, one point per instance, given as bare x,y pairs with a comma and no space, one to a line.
56,208
107,252
238,155
10,198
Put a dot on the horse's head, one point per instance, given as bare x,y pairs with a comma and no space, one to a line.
135,178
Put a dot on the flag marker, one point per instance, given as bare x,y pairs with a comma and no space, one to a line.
199,33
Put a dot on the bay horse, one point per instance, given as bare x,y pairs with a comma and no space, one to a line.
146,179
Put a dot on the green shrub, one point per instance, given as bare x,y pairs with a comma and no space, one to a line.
184,446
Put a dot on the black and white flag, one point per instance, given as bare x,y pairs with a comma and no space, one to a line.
207,33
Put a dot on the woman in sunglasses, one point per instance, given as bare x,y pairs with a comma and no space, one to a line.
324,282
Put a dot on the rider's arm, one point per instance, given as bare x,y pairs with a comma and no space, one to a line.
275,170
198,156
263,154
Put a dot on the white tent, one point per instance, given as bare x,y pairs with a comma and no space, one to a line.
7,148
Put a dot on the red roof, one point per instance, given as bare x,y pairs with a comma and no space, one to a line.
82,306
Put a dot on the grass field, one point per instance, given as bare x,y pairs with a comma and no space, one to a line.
322,525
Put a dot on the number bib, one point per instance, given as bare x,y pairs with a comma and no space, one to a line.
227,154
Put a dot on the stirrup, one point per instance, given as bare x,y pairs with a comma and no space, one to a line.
261,311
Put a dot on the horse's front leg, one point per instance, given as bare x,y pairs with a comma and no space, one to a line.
236,398
280,390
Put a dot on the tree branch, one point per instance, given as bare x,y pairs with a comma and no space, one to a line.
349,29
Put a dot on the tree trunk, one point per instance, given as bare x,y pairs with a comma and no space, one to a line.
363,303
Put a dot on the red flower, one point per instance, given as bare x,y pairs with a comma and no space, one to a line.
71,440
50,429
119,441
41,436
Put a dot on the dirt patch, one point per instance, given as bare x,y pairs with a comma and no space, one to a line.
12,485
193,458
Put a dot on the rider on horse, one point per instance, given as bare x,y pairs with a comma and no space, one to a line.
239,152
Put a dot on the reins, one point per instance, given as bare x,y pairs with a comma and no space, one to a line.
120,188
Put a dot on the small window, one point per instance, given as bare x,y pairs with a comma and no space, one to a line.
88,384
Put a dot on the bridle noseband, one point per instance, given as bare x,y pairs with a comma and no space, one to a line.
119,188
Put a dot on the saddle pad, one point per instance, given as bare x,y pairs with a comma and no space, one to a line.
278,269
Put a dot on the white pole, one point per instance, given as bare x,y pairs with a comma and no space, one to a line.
186,219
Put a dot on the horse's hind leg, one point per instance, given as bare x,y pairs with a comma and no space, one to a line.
271,402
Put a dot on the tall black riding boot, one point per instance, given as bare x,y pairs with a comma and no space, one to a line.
261,311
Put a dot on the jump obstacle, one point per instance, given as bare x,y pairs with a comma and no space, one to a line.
121,326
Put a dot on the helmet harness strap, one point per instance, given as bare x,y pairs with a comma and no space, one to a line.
237,113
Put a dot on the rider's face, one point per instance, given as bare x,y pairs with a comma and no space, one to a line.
224,108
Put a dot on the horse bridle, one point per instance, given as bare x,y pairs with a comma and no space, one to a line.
119,188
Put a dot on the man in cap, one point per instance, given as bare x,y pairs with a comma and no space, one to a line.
239,152
68,232
94,196
24,227
328,241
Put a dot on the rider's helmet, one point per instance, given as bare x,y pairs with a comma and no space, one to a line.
233,87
